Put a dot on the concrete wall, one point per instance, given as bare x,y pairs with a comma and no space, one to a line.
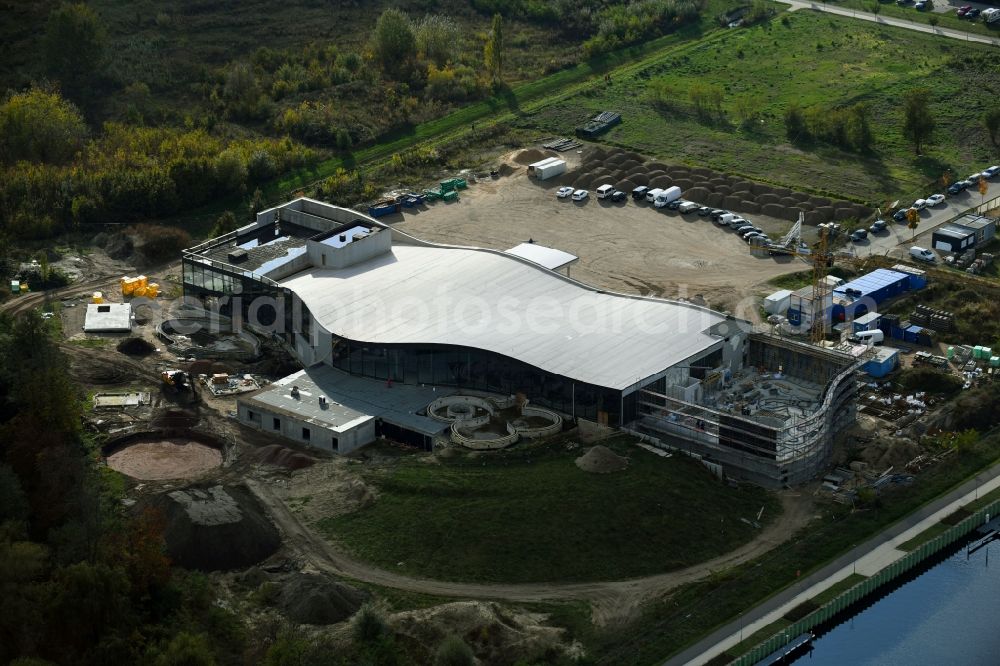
291,428
375,243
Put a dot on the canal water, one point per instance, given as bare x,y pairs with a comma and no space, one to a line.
947,615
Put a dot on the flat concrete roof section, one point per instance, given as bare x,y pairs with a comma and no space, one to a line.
108,317
548,257
487,300
350,400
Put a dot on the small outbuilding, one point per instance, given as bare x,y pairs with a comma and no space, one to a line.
886,360
952,238
108,318
777,303
547,168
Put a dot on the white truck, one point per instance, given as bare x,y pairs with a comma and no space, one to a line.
666,196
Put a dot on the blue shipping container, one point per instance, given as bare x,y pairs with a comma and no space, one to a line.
883,363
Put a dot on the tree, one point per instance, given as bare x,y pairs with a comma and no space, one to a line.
74,44
187,650
933,20
991,120
984,187
437,38
224,224
912,220
493,52
918,122
40,126
241,92
454,652
394,43
795,123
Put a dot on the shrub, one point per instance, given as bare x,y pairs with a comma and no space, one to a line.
930,380
369,625
454,652
40,126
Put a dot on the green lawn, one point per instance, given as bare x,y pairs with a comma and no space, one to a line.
532,515
810,59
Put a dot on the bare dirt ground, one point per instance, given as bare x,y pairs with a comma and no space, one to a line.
614,602
165,460
629,247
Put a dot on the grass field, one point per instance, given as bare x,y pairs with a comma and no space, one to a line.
810,59
532,515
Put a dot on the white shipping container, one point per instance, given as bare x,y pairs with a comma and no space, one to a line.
777,303
551,169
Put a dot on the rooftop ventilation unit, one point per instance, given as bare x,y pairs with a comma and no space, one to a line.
237,255
295,391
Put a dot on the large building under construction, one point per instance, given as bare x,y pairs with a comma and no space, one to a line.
357,300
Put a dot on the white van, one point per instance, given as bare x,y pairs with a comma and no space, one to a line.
726,218
652,194
605,191
920,254
875,337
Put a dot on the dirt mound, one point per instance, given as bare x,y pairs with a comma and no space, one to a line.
529,156
119,246
314,599
601,460
280,456
136,347
165,459
639,178
496,635
505,170
214,528
660,181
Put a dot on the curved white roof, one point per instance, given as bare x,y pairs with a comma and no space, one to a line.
484,299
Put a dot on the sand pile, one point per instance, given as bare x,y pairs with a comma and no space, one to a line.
532,155
136,347
280,456
601,460
314,599
164,460
214,528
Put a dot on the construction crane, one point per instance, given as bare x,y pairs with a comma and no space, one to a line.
821,259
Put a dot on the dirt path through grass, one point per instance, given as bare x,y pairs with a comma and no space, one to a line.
613,602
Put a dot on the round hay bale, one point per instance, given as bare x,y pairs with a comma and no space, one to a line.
791,213
841,214
731,202
594,184
703,184
639,178
702,172
863,211
788,201
684,183
631,165
741,193
601,460
749,206
660,181
813,218
819,201
721,180
767,198
801,197
656,166
653,173
842,205
714,199
782,191
743,186
722,189
771,209
826,212
761,188
679,172
582,183
594,153
625,186
699,194
634,156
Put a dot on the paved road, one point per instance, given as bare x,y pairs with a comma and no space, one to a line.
896,22
867,558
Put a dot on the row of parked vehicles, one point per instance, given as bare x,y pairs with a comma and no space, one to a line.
954,189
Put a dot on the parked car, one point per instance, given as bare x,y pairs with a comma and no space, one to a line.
921,5
618,195
992,171
974,179
746,232
973,13
717,213
919,204
922,254
639,193
688,207
564,192
675,204
878,226
963,10
744,226
704,211
958,187
605,191
935,199
580,195
899,215
859,235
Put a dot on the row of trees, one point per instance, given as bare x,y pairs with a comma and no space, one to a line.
847,127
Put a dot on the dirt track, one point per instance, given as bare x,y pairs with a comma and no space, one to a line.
613,602
625,246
